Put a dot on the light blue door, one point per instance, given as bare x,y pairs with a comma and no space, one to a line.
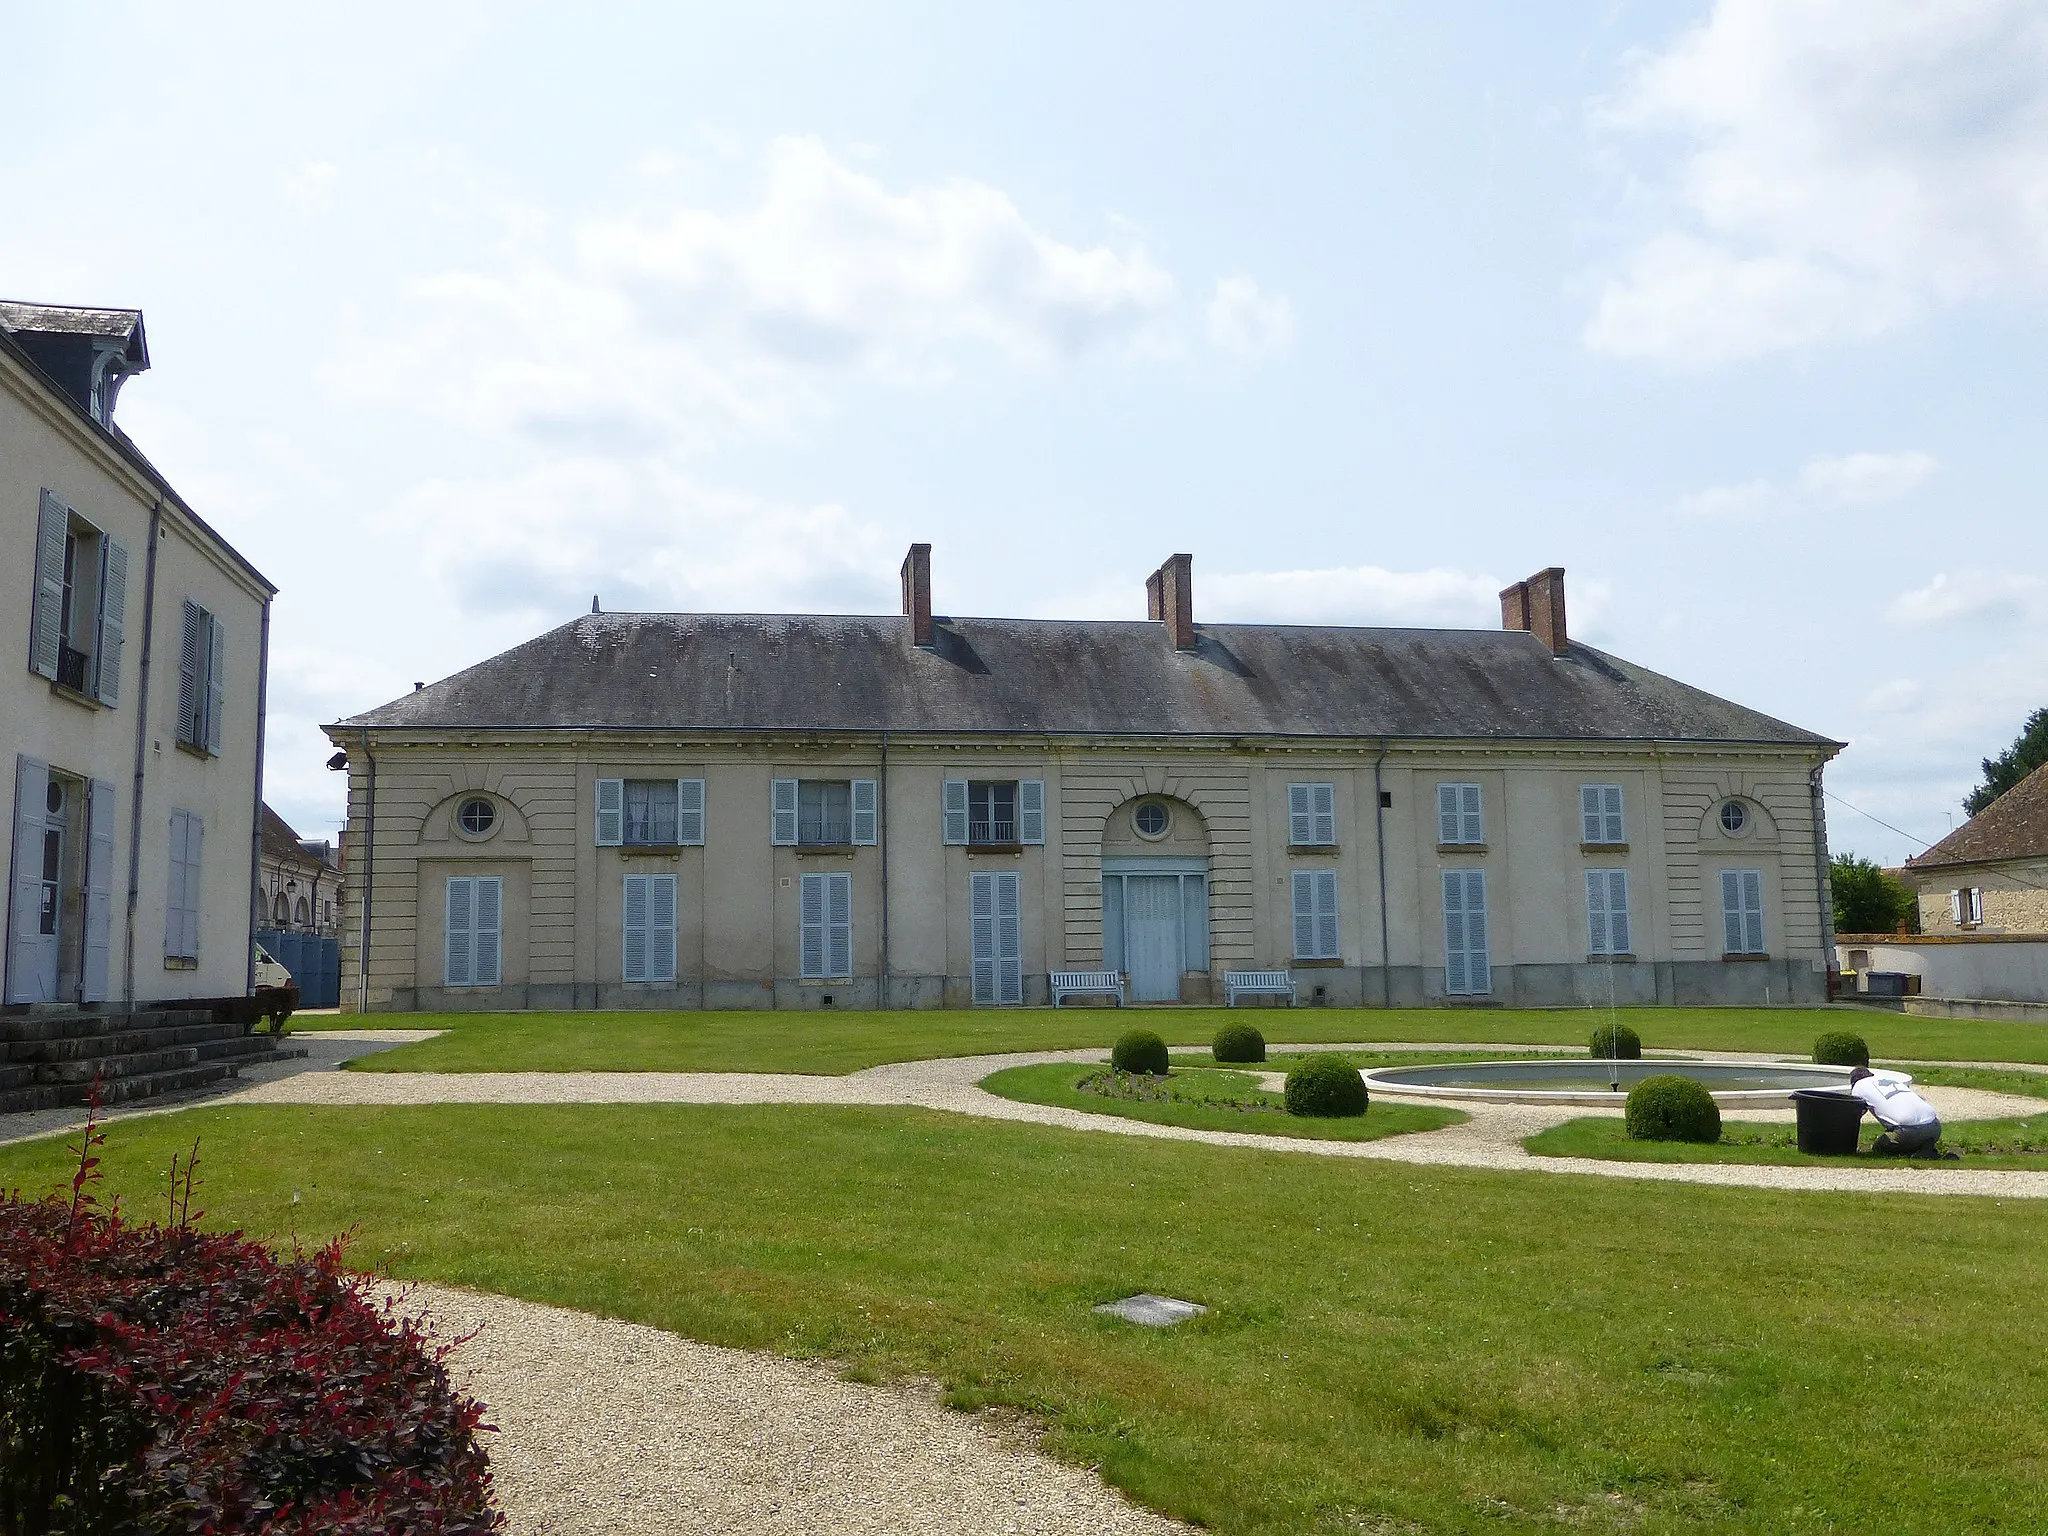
1152,935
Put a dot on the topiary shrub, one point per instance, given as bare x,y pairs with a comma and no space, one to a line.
1238,1042
1139,1050
1673,1108
160,1378
1326,1086
1839,1048
1617,1042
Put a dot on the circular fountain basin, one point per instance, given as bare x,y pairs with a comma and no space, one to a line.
1587,1080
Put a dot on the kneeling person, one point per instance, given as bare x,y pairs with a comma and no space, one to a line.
1910,1123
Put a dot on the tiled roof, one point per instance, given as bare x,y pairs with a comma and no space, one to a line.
750,672
2014,826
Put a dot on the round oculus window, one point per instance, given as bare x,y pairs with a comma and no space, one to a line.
1151,819
1734,816
477,816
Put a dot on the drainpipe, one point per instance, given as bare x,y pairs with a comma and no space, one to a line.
1822,883
882,837
1379,838
369,874
156,523
256,829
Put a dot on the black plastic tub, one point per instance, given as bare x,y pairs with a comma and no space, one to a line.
1828,1120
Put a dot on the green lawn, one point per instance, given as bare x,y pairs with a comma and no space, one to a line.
831,1042
1392,1348
2019,1143
1214,1101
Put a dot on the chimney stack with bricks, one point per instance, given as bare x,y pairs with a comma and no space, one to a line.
917,594
1537,605
1170,596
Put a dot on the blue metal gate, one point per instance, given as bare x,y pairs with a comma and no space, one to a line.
315,964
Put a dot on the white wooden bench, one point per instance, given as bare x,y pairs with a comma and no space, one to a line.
1238,984
1086,984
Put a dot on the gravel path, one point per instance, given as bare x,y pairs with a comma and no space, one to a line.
615,1429
1490,1139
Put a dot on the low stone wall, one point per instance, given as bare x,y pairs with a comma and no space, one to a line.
2004,967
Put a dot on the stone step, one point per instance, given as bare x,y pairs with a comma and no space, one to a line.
117,1091
71,1026
112,1069
117,1041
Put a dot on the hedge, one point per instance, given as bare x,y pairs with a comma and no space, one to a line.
1326,1086
1839,1048
1616,1042
1672,1108
157,1378
1238,1042
1139,1050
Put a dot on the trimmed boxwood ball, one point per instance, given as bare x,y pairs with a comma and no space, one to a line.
1617,1042
1839,1048
1326,1086
1139,1050
1673,1108
1238,1042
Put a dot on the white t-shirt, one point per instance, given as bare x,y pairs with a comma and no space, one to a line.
1894,1102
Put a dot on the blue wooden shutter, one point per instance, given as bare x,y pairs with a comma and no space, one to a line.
1301,820
953,811
112,622
1323,805
192,676
1731,912
782,814
839,924
981,924
99,889
1467,966
690,813
1009,938
24,939
1596,911
661,928
459,964
633,930
1590,820
862,798
1031,811
1304,914
1447,821
611,813
216,682
46,615
490,916
1473,825
1617,911
811,925
1327,947
1752,912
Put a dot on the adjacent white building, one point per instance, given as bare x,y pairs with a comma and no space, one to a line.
131,712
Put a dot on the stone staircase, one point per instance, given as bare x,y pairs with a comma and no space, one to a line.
49,1057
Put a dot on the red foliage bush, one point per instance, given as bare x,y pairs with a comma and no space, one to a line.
158,1379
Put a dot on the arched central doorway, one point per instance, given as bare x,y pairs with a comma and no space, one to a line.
1155,896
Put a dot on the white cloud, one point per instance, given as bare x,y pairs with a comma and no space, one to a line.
1248,322
1851,479
1966,595
1356,594
677,323
1861,479
1846,167
309,189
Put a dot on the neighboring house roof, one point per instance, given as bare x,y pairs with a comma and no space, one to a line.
2014,826
281,843
752,672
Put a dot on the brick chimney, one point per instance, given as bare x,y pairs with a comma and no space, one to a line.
1537,605
1170,596
917,594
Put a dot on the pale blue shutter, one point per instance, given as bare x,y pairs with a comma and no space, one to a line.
1113,923
1009,939
1596,910
1326,914
661,928
195,852
633,958
192,676
46,616
99,889
1752,912
839,924
611,813
1617,911
811,925
1474,825
1455,980
690,812
216,682
1301,820
1323,805
1731,912
1590,820
1304,914
1031,811
24,939
490,917
981,924
1614,829
113,619
459,965
953,808
782,815
1478,962
862,797
1467,967
1447,813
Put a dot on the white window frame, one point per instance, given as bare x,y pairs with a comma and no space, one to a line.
473,950
1601,818
1966,906
1607,915
1317,933
825,926
1742,912
1312,815
647,929
1460,815
1468,955
996,927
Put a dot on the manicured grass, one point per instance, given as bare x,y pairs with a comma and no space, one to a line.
833,1042
1214,1100
1392,1348
1982,1143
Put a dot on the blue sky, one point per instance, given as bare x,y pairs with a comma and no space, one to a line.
461,314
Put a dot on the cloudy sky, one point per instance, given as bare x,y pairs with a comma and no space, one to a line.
462,314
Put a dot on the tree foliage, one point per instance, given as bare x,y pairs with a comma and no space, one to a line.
1867,900
2028,752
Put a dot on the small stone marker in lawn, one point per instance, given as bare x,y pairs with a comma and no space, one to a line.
1152,1311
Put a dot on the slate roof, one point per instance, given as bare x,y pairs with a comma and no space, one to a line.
752,672
74,320
2014,826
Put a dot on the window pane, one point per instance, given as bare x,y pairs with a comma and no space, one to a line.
651,811
824,811
992,811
